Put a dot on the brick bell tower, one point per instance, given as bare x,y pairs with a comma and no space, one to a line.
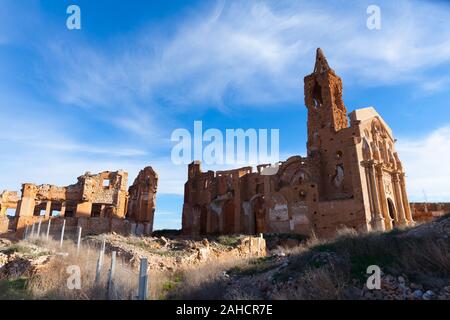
327,121
323,98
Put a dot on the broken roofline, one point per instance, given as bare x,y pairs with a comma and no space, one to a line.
351,177
94,195
221,149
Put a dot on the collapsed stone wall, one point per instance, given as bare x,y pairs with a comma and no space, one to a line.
142,198
97,202
8,200
4,224
179,253
427,211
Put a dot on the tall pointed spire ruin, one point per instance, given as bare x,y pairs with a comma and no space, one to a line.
321,62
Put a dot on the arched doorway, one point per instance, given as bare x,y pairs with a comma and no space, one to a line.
228,212
203,220
259,214
391,209
200,220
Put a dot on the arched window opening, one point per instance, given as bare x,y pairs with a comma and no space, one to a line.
317,95
338,177
391,209
366,150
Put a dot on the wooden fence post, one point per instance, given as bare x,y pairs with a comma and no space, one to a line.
100,261
110,287
25,234
48,229
62,233
39,228
32,231
143,280
79,240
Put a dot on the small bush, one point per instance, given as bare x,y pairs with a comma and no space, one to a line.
205,282
15,289
253,266
228,240
16,248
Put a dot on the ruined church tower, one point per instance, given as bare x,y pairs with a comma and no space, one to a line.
352,177
327,116
323,98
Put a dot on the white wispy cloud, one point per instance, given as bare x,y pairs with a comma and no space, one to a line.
41,166
435,85
246,53
238,50
43,132
238,53
426,164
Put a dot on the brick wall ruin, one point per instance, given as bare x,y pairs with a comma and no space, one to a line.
142,198
97,202
426,211
8,201
351,177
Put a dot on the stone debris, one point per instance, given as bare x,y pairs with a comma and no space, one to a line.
4,243
428,211
17,264
172,254
3,259
399,288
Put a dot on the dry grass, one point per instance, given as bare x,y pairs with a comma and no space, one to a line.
205,282
424,260
316,269
327,269
315,284
51,281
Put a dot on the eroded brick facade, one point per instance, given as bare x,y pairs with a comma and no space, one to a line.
97,202
142,198
426,211
352,176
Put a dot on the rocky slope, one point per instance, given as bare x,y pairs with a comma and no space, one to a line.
414,264
171,255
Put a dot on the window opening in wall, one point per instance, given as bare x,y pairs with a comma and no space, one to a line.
55,213
302,195
338,177
96,210
317,95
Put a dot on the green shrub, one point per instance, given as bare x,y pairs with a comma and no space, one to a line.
15,289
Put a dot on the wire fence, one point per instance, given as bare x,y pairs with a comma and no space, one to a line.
112,275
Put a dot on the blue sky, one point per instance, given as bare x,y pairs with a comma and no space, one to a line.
108,96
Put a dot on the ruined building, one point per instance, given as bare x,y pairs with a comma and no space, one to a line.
352,176
142,198
8,201
426,211
97,202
